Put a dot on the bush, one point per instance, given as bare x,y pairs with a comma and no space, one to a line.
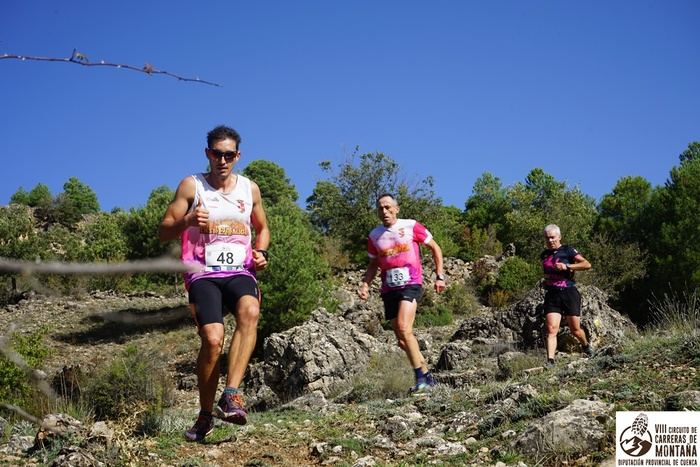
679,314
76,200
616,266
517,276
498,298
333,253
387,376
15,385
293,284
460,299
438,315
482,275
140,226
133,387
477,243
18,239
518,364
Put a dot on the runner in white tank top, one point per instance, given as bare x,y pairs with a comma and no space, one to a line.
214,214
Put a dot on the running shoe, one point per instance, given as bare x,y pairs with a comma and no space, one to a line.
201,428
231,408
421,388
550,363
588,350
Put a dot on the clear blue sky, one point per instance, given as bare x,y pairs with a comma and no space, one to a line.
589,91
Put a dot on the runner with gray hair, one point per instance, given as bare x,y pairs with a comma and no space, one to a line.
394,251
560,262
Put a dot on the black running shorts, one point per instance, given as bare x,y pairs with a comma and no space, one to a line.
211,295
392,299
565,301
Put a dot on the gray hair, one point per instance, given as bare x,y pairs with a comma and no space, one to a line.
387,195
554,228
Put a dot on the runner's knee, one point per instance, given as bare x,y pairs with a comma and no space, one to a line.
403,345
212,339
248,315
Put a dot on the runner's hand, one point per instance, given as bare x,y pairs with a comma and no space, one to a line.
259,260
199,217
363,291
439,285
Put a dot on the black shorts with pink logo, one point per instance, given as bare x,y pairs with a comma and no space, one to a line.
565,301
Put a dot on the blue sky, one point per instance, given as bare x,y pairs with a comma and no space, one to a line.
588,91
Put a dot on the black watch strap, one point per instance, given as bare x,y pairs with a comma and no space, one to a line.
263,252
440,277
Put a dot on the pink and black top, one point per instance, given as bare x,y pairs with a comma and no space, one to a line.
554,278
398,250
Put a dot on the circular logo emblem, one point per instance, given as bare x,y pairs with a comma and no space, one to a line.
635,440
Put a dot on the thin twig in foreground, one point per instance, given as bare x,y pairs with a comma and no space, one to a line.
23,414
141,266
80,59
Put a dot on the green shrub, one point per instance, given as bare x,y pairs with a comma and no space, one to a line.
296,280
387,376
460,299
540,405
617,266
18,239
438,315
132,384
498,298
477,243
517,276
482,275
678,313
15,386
520,363
332,253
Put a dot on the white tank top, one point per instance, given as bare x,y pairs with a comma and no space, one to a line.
222,248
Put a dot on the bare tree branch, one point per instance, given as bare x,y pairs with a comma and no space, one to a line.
80,59
142,266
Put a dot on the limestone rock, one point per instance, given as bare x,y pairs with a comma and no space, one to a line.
455,356
56,425
310,357
366,461
577,429
75,456
505,362
523,322
685,400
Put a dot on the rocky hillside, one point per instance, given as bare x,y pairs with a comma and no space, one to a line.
333,391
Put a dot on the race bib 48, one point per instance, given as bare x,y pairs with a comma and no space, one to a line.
224,257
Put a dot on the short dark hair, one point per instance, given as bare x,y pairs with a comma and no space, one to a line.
221,133
386,195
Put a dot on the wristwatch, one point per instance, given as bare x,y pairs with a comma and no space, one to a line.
263,252
439,277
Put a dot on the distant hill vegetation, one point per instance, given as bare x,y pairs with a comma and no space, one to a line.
643,241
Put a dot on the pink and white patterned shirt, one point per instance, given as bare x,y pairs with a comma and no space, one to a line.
398,250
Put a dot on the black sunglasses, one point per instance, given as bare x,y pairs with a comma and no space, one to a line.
228,155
